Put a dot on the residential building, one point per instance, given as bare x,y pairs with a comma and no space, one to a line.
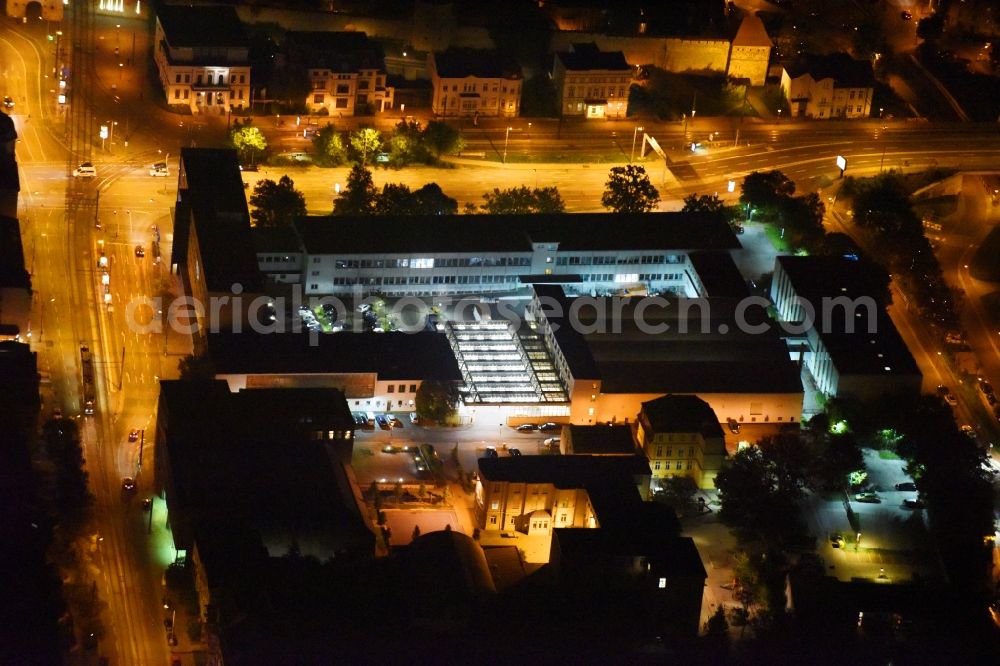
834,309
591,83
375,371
203,57
346,72
474,82
613,357
829,86
535,494
681,436
493,254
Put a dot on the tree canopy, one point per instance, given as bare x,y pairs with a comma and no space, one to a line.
366,142
436,401
247,140
523,200
628,190
397,199
328,147
358,197
276,204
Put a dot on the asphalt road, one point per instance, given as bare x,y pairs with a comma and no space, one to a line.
62,253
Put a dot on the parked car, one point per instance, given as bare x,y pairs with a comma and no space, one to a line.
552,441
526,427
868,497
549,427
491,452
911,503
837,540
383,422
395,422
515,452
734,426
906,485
414,419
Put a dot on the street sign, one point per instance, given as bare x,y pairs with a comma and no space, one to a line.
841,162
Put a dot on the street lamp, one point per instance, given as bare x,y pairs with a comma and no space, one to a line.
880,110
635,132
506,138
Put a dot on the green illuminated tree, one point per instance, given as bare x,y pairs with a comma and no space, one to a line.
248,141
366,142
329,148
628,190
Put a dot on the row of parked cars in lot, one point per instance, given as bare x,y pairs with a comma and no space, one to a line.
370,420
545,427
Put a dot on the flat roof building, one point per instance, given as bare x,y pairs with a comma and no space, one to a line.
597,440
849,343
489,254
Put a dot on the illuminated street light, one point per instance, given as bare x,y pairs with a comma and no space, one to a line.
732,186
506,138
635,132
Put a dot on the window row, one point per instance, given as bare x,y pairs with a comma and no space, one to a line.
391,388
665,466
428,262
208,78
600,260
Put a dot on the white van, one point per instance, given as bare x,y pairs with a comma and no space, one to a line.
85,170
159,169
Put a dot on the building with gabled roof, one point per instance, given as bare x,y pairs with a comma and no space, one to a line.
750,51
474,82
681,436
590,82
828,86
203,57
346,72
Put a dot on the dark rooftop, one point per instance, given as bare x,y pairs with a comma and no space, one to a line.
667,554
563,471
246,459
719,275
338,51
516,233
586,57
682,414
201,25
211,192
12,271
458,63
601,439
842,68
424,355
275,239
816,278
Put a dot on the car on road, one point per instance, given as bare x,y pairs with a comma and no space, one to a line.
159,170
140,251
133,436
8,103
951,400
906,485
905,15
552,441
515,452
912,503
549,427
248,167
985,387
128,484
968,430
526,427
868,497
837,540
85,170
491,452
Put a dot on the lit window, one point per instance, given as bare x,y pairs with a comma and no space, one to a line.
663,583
425,262
626,277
